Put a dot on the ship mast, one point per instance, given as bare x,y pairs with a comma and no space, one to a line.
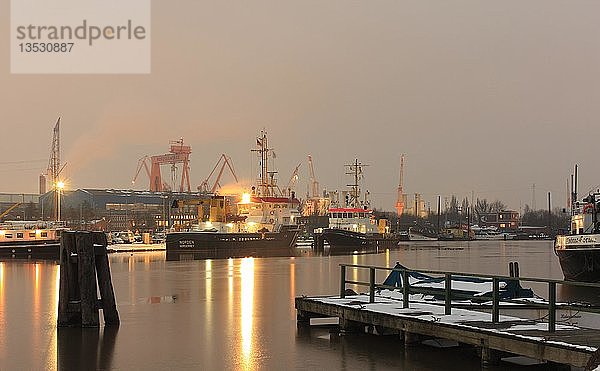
266,181
355,169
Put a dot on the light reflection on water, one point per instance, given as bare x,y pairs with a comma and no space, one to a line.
229,313
247,307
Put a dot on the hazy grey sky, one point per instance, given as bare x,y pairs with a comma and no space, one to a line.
488,97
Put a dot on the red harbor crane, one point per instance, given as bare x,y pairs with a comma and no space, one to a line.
179,154
400,202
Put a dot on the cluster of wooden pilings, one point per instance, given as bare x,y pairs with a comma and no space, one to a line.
84,271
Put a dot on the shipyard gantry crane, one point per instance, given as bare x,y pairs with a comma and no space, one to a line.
224,162
400,202
178,154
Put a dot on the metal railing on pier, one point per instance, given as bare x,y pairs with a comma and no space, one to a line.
408,289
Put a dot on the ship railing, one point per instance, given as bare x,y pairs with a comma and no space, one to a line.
407,289
34,224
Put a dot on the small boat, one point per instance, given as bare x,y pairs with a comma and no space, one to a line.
579,251
490,233
413,235
462,287
31,238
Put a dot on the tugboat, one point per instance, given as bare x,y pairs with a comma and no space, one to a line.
264,223
579,251
353,225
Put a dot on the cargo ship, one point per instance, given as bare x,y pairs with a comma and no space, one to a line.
264,223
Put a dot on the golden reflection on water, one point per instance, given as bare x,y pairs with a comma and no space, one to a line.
292,285
51,361
247,308
208,289
231,293
387,257
355,271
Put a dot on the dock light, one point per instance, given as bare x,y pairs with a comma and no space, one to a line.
2,233
246,198
229,225
60,184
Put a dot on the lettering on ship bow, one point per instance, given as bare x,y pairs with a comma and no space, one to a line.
186,244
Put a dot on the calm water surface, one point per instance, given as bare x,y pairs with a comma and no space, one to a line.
234,313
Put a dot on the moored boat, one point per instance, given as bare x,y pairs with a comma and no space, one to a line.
352,224
31,238
579,251
263,222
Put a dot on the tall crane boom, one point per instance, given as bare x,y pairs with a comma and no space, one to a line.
314,184
400,201
7,211
142,163
293,179
54,167
225,162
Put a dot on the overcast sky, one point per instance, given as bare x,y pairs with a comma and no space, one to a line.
483,97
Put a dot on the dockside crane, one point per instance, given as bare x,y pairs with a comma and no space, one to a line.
314,184
54,168
142,163
223,162
293,180
400,201
7,211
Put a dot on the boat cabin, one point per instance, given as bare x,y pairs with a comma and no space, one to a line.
353,219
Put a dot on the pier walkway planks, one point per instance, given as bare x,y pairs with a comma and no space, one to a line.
570,345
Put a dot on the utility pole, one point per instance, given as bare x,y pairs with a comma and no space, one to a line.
438,213
549,215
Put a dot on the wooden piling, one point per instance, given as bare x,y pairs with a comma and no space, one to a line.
87,280
84,270
107,294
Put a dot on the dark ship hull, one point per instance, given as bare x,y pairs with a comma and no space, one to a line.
581,265
225,245
41,249
348,240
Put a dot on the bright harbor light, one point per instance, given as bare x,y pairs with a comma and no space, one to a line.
246,198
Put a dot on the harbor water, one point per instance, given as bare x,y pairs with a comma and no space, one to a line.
238,313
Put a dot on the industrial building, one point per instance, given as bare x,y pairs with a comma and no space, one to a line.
19,206
504,220
117,210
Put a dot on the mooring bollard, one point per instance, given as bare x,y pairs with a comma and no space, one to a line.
84,270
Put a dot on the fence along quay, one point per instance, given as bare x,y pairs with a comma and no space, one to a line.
496,336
